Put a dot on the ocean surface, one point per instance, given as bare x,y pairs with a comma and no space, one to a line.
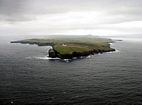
28,76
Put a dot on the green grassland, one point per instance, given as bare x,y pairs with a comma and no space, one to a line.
81,45
70,45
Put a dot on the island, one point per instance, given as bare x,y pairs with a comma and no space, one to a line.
74,47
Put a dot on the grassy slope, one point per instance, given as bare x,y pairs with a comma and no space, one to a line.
82,44
73,44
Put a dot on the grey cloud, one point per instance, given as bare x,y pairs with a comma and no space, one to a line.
16,18
26,10
12,10
128,10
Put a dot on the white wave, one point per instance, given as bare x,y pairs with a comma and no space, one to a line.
116,51
41,57
88,56
65,60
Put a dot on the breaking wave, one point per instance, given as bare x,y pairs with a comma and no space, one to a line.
41,57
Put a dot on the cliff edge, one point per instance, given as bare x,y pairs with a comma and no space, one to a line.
67,48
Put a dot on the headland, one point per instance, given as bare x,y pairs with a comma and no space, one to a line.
68,48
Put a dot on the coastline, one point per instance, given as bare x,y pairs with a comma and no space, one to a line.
55,54
72,47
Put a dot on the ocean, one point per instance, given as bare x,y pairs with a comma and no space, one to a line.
29,77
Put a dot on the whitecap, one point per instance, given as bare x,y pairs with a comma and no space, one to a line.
116,51
65,60
41,57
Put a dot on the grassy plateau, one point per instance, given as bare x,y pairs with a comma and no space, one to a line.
73,44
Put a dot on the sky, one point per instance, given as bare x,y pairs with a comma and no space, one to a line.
70,17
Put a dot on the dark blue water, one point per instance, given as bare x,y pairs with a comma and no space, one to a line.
27,76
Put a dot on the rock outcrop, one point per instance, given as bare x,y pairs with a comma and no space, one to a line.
70,52
55,54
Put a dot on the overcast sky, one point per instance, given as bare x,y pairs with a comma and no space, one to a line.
70,17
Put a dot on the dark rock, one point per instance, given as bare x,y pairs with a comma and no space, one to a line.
66,56
77,54
52,54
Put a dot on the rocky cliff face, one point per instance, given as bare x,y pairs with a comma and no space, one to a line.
53,53
76,54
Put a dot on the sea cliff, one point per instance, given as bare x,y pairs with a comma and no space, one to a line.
68,48
54,53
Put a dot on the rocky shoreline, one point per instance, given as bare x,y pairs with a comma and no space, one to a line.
72,48
55,54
